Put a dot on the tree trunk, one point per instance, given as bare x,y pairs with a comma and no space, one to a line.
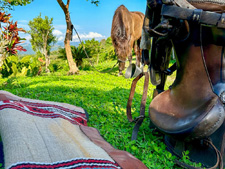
45,52
72,64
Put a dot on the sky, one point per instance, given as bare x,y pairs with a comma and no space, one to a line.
90,21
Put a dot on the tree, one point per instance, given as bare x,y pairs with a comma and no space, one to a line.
68,37
10,3
94,47
42,37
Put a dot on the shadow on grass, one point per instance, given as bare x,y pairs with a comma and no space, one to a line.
112,70
105,104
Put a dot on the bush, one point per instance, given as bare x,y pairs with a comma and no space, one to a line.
28,65
9,66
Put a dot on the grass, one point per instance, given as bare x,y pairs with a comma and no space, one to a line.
104,96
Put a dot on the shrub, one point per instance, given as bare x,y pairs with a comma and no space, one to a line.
28,65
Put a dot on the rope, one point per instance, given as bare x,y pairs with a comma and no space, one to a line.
89,57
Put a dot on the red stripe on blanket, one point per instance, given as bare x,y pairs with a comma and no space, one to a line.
46,111
75,163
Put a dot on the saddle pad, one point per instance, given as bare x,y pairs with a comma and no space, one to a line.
41,134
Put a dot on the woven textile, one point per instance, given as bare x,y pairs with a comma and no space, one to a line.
76,163
43,134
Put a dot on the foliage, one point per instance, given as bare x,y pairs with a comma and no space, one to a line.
41,29
96,2
97,52
104,96
93,48
9,66
9,38
108,49
26,66
77,53
8,4
11,34
62,53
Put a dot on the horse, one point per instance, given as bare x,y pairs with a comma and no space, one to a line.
126,35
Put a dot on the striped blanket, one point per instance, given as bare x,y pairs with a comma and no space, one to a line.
43,134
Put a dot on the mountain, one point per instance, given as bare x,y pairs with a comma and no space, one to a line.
30,51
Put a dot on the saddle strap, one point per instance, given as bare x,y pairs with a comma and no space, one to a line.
196,15
138,121
219,163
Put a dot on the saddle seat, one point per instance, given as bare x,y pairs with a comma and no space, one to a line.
185,121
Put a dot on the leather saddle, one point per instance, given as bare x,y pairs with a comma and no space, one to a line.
191,113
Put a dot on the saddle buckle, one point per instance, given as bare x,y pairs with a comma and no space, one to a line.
196,16
138,118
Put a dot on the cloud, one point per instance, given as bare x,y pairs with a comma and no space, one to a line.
24,26
23,21
60,27
90,35
57,33
28,37
61,38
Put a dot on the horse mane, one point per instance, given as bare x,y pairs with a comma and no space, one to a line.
118,25
120,28
139,13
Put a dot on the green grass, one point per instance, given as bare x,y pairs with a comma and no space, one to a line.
104,96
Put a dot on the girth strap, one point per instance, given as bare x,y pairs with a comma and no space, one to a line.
195,15
138,121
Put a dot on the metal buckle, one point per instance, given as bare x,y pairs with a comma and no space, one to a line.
197,13
140,117
221,22
222,97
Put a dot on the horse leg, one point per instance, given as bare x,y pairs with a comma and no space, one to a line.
121,68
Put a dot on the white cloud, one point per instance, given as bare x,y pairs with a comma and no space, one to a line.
60,27
61,38
23,21
90,35
57,33
24,26
28,37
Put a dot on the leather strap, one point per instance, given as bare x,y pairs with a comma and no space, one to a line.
138,121
196,15
131,96
219,163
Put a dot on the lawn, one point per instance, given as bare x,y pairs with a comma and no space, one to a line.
104,96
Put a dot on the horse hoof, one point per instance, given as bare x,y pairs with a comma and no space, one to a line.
120,74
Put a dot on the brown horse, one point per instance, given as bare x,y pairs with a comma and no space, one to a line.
126,35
